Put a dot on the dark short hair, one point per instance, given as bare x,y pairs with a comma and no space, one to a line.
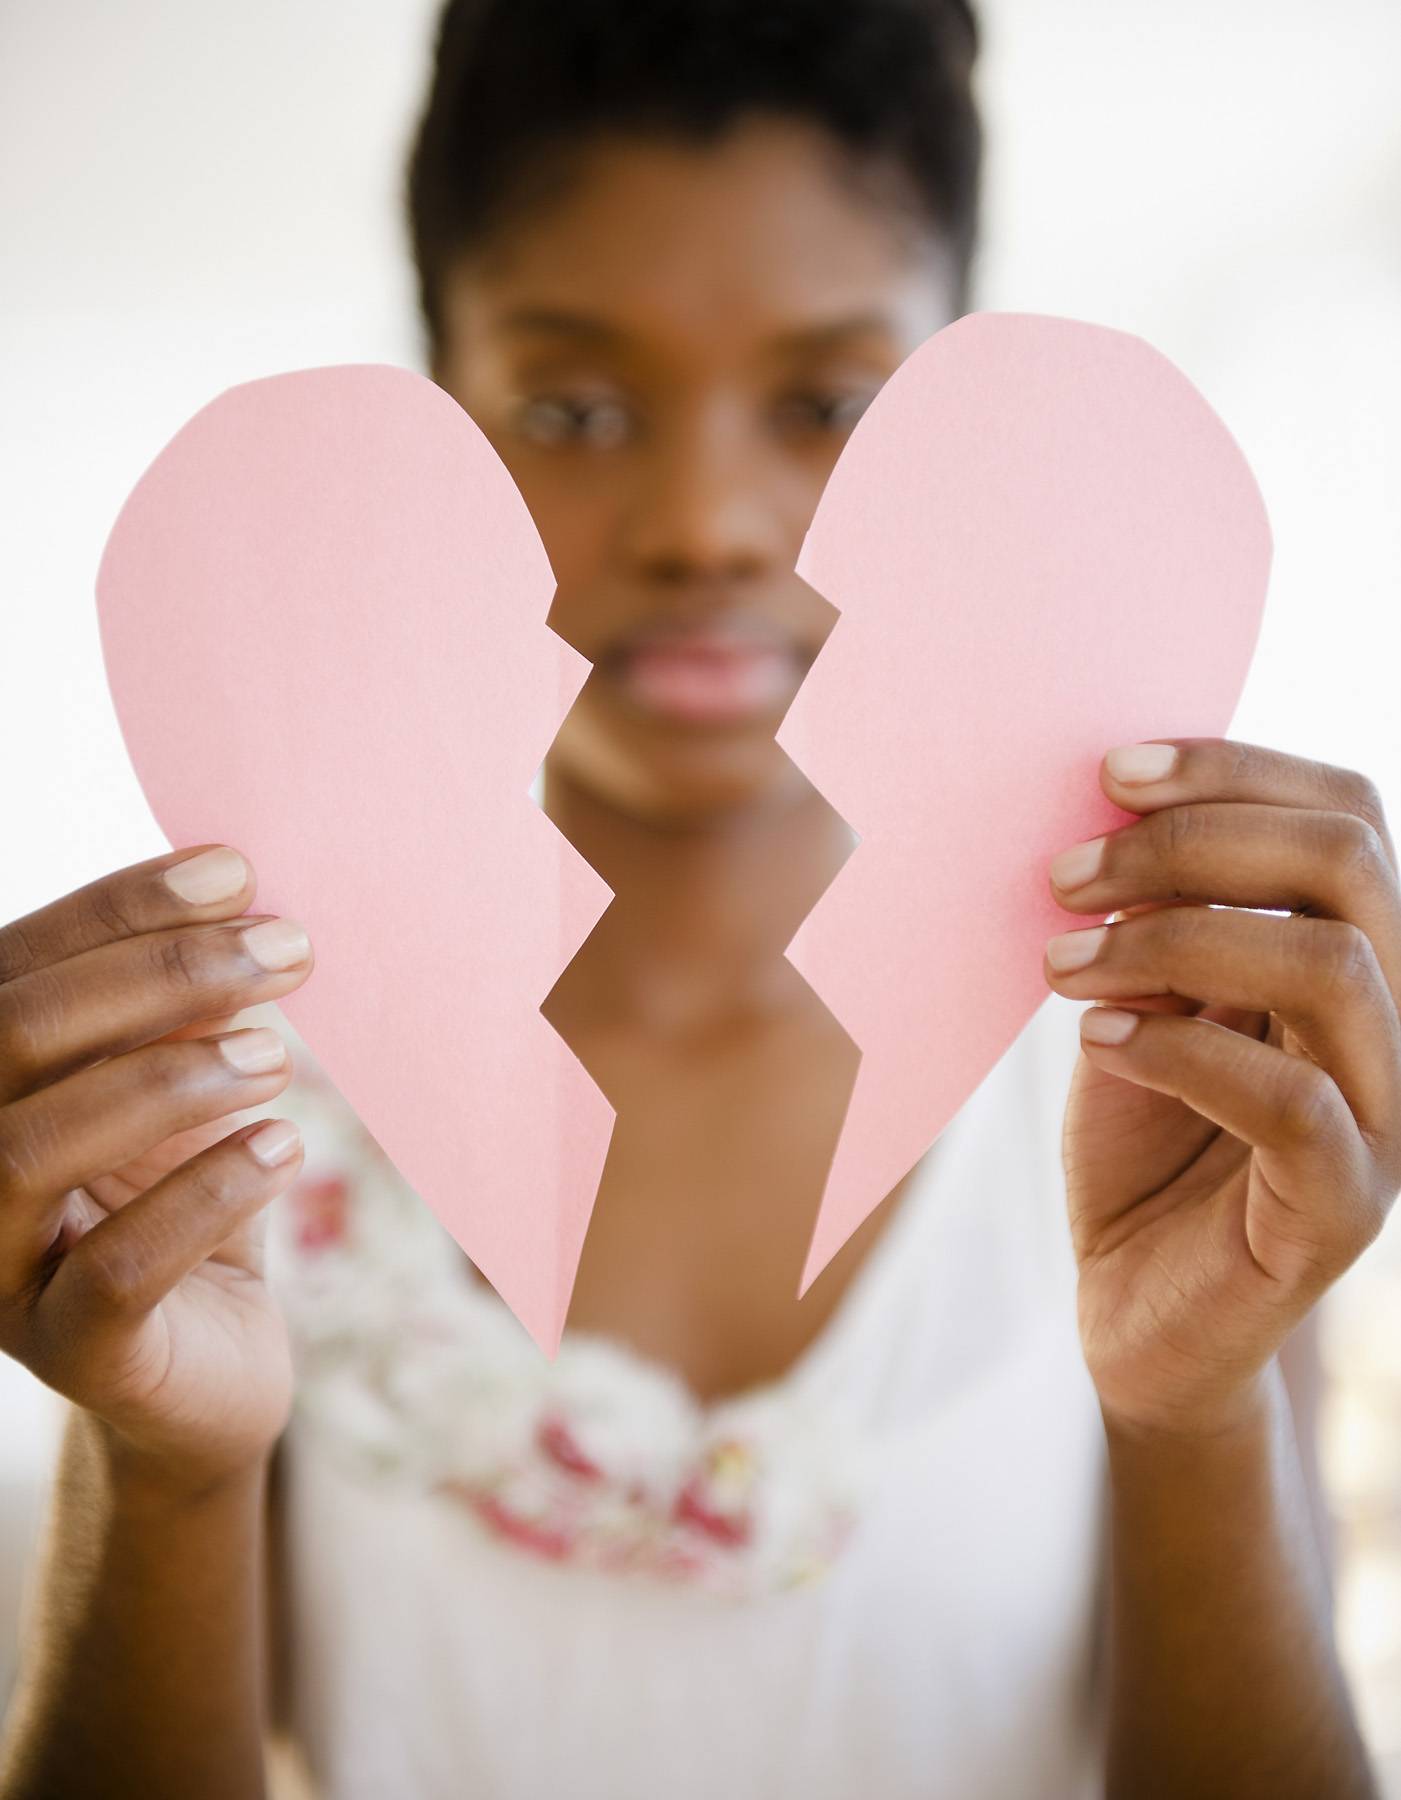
518,84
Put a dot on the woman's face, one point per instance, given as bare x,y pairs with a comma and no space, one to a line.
668,357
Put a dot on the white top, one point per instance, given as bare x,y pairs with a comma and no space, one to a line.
512,1578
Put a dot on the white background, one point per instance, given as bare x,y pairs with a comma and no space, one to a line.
195,195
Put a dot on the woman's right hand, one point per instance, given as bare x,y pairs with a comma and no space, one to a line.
131,1275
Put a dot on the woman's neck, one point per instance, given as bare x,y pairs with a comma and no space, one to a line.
702,911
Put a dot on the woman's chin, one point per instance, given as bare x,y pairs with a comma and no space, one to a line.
670,775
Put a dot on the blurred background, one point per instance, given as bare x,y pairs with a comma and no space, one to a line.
194,196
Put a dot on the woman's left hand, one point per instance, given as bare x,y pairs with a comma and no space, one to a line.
1233,1137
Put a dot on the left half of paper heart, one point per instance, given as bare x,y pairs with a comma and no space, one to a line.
323,616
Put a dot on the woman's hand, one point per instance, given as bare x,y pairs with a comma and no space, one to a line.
130,1258
1233,1137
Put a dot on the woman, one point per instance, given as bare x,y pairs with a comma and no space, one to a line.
667,254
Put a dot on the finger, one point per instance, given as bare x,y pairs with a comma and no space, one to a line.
205,1027
1285,1107
103,1002
69,1134
1332,864
1180,771
1319,976
213,882
125,1266
1176,1003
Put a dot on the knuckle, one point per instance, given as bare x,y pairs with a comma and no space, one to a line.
20,1056
167,1069
108,906
1177,831
1307,1107
1342,954
107,1276
1247,765
1358,793
1357,847
218,1180
17,954
17,1173
1172,928
181,961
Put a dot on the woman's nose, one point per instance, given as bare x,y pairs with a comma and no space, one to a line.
713,503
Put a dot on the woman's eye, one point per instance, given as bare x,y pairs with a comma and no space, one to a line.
822,412
552,419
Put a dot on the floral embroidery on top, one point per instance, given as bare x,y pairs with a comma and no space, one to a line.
414,1371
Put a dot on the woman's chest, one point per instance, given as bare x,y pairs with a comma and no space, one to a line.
966,1596
713,1180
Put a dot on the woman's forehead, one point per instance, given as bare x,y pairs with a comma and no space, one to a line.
765,233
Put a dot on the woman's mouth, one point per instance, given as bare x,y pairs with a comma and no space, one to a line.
706,677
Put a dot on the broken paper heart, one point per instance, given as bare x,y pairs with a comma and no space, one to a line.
1042,542
323,612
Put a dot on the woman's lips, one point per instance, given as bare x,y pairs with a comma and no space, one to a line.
707,679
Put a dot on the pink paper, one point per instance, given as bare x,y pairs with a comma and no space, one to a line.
323,612
1042,543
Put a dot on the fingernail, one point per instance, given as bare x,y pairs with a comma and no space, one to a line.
1136,763
253,1052
277,943
1107,1024
210,876
1074,867
274,1142
1073,949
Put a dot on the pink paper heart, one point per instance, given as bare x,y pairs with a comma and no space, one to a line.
323,613
1042,543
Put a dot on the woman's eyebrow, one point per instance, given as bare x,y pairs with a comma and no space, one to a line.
557,320
820,335
826,333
